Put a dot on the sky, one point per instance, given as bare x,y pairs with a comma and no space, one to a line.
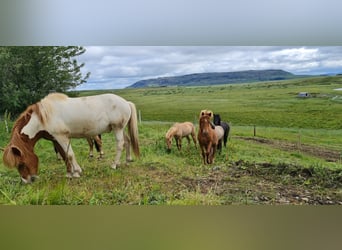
116,67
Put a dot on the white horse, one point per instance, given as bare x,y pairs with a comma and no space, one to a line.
59,118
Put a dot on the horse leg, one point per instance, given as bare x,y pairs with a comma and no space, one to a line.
219,146
91,147
194,139
120,141
213,151
98,144
64,147
188,139
55,147
178,142
203,155
208,153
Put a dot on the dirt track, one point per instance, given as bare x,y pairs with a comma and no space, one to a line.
327,154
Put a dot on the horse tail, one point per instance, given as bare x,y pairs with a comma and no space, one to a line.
133,129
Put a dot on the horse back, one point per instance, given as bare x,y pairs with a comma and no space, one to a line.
90,115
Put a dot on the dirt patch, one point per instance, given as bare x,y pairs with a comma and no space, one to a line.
244,182
324,153
264,183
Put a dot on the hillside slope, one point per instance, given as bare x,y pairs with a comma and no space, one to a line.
202,79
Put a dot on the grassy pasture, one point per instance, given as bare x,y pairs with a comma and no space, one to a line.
271,104
281,165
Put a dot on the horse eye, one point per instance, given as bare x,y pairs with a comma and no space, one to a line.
21,167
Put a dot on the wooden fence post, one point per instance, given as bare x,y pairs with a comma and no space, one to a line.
139,115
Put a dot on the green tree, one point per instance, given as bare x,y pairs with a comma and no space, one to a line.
29,73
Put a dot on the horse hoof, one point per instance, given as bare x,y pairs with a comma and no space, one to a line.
113,166
76,175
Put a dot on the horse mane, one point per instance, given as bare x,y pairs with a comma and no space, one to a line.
18,140
25,117
171,131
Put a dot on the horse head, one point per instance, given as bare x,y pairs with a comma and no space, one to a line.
19,152
217,119
22,157
206,112
168,138
205,124
168,144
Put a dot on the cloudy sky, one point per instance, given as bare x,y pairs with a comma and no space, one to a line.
115,67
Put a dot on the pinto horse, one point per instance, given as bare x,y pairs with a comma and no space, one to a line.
207,139
224,125
178,131
59,118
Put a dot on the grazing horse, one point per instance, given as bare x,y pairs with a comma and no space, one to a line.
178,131
207,139
224,125
59,118
96,140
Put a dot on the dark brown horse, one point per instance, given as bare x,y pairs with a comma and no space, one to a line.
207,139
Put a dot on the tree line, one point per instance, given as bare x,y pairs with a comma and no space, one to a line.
28,73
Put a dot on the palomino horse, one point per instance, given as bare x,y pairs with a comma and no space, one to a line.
178,131
96,140
59,118
224,125
207,139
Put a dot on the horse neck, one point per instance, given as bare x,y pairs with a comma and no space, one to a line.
18,137
172,131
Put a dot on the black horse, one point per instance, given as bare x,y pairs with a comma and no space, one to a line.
224,125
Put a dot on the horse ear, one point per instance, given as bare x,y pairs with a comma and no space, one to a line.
16,151
202,113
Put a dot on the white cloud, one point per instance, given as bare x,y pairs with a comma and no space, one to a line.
120,66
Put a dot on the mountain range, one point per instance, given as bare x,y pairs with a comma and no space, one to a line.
215,78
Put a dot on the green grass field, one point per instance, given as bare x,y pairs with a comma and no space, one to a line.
295,157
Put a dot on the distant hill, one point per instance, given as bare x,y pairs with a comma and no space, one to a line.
201,79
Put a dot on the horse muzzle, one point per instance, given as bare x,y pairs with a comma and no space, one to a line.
30,179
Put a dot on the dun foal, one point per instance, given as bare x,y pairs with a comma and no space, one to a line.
178,131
